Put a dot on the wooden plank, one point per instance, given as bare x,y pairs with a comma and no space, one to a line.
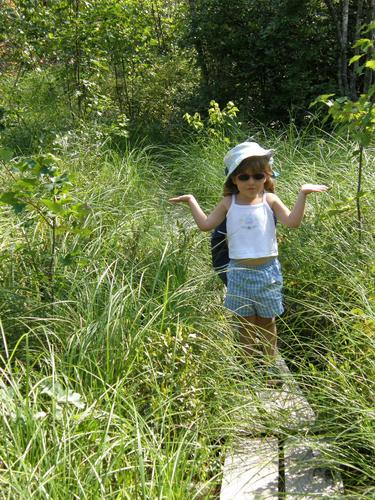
307,474
274,409
288,377
287,408
251,470
288,403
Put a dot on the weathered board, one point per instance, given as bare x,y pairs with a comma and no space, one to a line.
251,470
259,468
271,410
307,473
287,407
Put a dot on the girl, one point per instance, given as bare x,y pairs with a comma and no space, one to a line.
251,208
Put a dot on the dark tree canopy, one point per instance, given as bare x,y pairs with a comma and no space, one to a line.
152,60
271,56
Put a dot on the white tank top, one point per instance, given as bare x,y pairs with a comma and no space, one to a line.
251,230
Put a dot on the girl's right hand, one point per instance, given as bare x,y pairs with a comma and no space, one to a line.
185,198
204,222
314,188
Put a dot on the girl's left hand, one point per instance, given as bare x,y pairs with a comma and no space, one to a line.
314,188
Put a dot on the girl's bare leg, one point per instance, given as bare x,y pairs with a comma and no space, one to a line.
254,330
248,334
268,335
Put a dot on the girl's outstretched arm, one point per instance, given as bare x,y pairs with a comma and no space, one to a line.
203,221
293,218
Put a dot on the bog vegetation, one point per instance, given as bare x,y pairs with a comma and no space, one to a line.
120,373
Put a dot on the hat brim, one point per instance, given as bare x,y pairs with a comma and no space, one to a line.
229,170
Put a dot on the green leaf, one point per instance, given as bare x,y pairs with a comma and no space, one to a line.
81,209
81,231
12,199
19,207
100,65
355,58
358,311
73,398
363,43
371,90
54,206
368,27
342,100
24,186
68,259
6,154
370,64
324,98
9,198
63,396
26,165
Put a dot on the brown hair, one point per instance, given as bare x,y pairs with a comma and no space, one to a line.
257,164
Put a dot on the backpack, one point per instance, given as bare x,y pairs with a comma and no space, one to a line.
219,250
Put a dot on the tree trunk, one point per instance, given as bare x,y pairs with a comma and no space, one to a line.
344,46
126,90
340,16
117,86
359,188
369,73
198,43
353,73
77,58
158,28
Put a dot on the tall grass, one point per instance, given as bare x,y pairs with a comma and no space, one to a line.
131,384
329,328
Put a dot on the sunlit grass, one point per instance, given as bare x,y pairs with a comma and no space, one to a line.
131,384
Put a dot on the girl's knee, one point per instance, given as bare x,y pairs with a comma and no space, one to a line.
265,321
252,320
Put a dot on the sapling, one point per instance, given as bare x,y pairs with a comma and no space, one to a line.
41,196
357,118
218,123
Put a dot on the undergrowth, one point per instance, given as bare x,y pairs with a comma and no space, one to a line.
130,382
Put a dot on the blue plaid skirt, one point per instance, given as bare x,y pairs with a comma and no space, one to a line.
255,290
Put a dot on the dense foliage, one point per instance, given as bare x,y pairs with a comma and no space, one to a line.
266,56
150,61
110,59
120,371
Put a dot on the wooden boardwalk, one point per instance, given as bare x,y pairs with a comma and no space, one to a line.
273,458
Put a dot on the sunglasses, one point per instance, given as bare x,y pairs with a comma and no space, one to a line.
246,177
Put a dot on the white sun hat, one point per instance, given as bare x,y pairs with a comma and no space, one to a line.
244,150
